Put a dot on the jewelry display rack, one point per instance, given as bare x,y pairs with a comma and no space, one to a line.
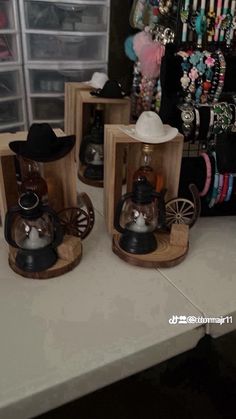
198,68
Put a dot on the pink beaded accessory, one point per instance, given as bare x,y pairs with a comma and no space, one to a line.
208,174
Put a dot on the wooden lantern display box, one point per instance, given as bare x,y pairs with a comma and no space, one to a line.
119,147
116,111
61,178
71,90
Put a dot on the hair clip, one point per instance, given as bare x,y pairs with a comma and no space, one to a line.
211,16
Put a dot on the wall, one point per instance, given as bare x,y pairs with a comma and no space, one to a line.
120,67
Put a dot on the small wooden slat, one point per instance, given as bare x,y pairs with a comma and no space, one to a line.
70,105
179,235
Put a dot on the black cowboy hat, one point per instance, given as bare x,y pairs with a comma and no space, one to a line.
42,144
111,89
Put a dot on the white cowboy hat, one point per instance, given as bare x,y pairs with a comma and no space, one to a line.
150,129
98,80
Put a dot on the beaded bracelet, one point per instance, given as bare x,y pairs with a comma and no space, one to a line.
197,124
221,182
211,124
216,184
224,188
221,76
230,188
215,78
187,117
222,117
208,175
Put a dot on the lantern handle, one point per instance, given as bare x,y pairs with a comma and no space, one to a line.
161,208
118,211
7,226
57,226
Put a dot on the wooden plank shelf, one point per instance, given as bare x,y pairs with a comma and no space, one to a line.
120,148
116,111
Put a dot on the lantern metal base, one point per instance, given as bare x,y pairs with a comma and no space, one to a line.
172,249
87,181
69,256
138,243
36,260
94,172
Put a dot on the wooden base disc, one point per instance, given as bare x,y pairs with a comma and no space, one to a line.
165,256
60,268
90,182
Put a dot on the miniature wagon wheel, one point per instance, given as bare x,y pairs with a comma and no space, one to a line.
78,221
183,211
85,203
75,221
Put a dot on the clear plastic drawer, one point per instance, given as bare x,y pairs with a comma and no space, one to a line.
11,112
15,128
47,108
57,125
53,81
65,17
8,48
66,47
10,83
6,15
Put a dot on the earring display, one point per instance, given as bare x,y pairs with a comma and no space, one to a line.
207,21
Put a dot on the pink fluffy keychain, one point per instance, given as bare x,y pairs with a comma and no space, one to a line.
150,59
140,40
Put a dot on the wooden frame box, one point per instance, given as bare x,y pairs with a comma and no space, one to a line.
61,174
118,147
70,105
117,111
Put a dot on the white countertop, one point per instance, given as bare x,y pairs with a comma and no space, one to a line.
65,337
207,277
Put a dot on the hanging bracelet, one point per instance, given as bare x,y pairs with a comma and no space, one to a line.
211,124
222,117
221,76
216,184
221,182
197,124
208,175
230,187
225,188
